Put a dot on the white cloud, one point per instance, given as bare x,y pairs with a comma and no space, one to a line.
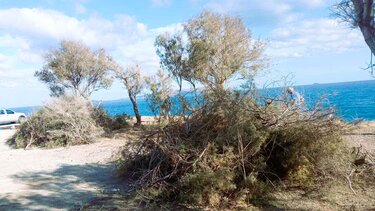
269,12
32,31
15,53
309,3
273,6
44,27
7,41
309,37
314,3
174,28
161,3
11,77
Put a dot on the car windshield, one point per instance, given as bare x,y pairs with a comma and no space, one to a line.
2,112
10,111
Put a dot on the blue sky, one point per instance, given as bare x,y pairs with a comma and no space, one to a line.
304,41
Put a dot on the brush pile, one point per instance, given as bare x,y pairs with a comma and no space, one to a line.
231,152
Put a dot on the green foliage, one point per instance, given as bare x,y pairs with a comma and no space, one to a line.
211,49
307,154
102,118
159,99
75,69
210,185
120,121
171,52
109,123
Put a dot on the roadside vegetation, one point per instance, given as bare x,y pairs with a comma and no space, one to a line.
212,146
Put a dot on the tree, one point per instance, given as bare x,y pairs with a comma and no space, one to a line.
171,52
132,80
359,13
75,69
211,49
159,99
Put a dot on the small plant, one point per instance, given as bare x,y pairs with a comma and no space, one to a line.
120,121
108,123
101,117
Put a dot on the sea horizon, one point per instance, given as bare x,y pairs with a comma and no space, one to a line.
353,100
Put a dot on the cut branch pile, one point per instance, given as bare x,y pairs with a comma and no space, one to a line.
236,149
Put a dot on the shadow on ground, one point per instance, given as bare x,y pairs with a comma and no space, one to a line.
11,142
68,187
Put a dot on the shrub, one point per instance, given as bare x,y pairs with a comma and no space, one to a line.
65,121
232,151
101,117
109,123
120,121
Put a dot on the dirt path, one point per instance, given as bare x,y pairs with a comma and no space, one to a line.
56,179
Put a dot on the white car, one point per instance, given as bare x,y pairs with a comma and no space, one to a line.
9,116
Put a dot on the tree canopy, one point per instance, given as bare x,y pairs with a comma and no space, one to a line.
211,49
75,69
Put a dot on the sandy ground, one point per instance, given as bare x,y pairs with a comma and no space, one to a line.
56,179
363,136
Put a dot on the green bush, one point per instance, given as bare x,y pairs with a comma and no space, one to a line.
109,123
101,117
120,121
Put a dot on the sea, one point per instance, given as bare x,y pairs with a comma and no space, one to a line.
352,100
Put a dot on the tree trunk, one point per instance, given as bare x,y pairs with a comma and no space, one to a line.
365,20
369,36
136,111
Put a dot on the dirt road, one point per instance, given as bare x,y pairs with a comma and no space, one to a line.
56,179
